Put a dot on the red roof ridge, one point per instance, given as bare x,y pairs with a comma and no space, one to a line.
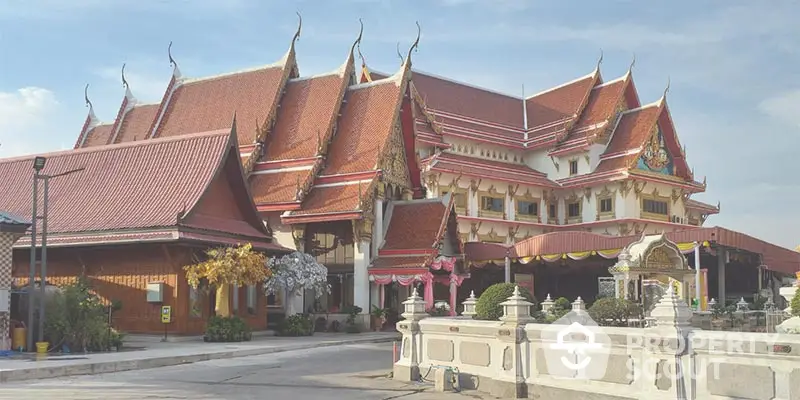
593,74
189,81
622,78
457,82
107,147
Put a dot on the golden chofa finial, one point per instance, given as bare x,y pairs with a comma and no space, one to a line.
357,43
299,28
124,81
415,45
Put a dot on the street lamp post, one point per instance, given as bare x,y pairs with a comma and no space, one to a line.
38,165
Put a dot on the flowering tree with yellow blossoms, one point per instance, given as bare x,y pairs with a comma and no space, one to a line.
226,266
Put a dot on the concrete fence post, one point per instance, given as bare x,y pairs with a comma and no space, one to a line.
667,368
407,367
510,382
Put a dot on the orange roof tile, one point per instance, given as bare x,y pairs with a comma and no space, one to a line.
473,166
276,187
602,103
210,103
465,100
631,132
367,121
136,122
414,224
634,129
123,186
308,107
98,136
558,103
333,199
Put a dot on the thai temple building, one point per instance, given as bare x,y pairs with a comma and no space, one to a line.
404,178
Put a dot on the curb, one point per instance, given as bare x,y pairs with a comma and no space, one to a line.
105,367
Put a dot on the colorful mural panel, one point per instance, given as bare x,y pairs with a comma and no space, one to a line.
655,157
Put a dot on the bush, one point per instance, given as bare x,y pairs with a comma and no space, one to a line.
227,329
352,312
77,319
488,306
795,304
335,326
610,311
296,325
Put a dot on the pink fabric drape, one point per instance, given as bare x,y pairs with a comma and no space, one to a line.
446,263
428,296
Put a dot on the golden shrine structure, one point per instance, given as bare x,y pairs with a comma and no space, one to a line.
401,179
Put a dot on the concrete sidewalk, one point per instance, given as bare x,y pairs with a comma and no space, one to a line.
166,354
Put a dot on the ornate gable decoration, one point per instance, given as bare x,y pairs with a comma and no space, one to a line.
650,254
655,157
393,162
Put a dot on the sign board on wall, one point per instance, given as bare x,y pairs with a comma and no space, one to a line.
166,314
525,281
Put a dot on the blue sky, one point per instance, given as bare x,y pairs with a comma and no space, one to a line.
734,94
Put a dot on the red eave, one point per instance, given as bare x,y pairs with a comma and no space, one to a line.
278,164
341,178
407,252
323,217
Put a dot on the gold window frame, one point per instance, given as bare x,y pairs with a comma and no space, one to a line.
606,194
461,210
492,193
574,199
529,197
577,167
654,196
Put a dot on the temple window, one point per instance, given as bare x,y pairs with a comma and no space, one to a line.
251,296
573,167
654,207
552,213
459,199
605,207
492,204
527,207
574,209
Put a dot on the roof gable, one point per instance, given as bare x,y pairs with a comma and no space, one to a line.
122,187
208,104
97,136
416,225
561,103
135,123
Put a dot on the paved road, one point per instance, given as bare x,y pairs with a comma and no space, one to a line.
351,372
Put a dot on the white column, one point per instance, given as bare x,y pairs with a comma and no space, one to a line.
377,231
374,296
360,275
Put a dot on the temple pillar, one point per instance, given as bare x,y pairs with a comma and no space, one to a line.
375,295
378,231
453,294
721,255
508,269
361,275
6,242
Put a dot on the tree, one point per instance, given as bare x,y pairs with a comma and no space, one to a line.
294,273
226,266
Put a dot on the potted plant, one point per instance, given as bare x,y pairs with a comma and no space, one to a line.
718,312
351,326
379,316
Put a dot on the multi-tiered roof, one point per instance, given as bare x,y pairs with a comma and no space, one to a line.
314,147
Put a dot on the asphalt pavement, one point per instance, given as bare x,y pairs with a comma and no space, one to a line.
352,372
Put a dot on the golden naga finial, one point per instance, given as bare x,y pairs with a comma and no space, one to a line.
172,61
415,45
124,81
357,43
299,28
666,89
633,62
86,97
399,55
599,60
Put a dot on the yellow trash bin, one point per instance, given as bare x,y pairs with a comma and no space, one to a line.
18,338
41,347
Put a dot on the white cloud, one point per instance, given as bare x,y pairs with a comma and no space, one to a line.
784,106
26,121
